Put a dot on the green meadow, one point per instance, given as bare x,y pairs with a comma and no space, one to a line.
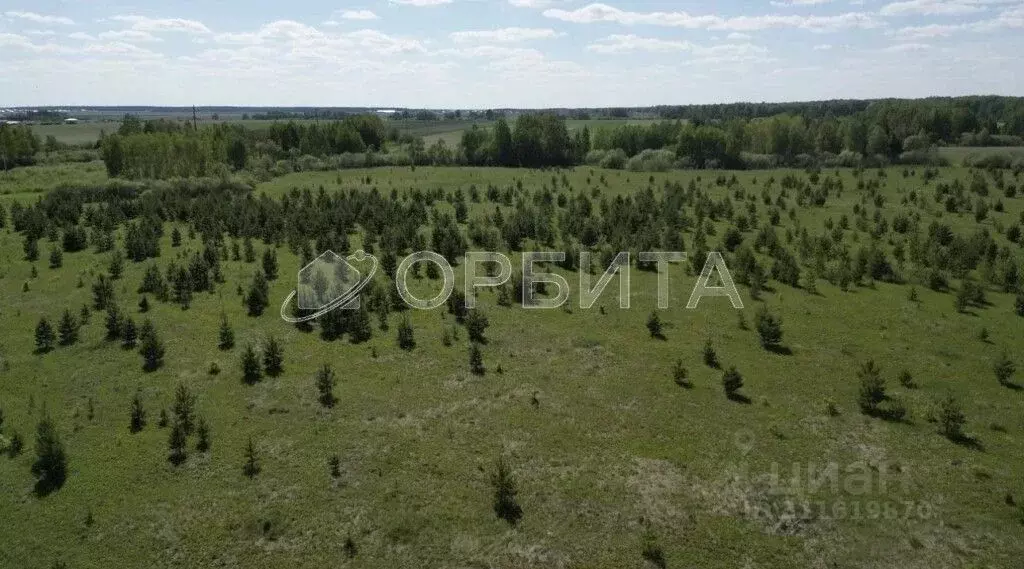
617,461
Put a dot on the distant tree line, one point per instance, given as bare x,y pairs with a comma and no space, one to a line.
882,131
171,149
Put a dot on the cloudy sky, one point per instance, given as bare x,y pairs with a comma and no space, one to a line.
503,53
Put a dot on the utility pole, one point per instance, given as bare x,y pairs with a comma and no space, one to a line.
194,125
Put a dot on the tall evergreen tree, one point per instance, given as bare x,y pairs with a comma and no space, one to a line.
226,335
67,328
273,357
476,326
270,264
51,465
202,435
176,443
138,414
505,505
182,282
406,341
252,463
102,293
457,306
252,371
709,354
769,328
153,282
56,258
44,336
31,247
872,388
1004,369
257,299
325,385
152,348
250,252
129,335
116,267
184,408
503,151
951,419
654,325
114,322
476,360
732,381
333,325
359,329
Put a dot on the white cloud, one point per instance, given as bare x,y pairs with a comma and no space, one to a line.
504,35
384,44
82,36
286,38
1012,18
239,38
13,40
287,30
490,52
929,31
358,15
903,47
790,3
120,49
722,53
128,36
40,18
23,43
618,43
939,7
536,66
40,32
604,13
738,36
144,24
421,2
822,47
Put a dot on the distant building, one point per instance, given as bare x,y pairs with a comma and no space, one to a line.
388,112
70,120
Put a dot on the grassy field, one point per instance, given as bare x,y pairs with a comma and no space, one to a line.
38,179
956,154
80,133
611,457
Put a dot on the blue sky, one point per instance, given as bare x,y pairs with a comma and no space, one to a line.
503,53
